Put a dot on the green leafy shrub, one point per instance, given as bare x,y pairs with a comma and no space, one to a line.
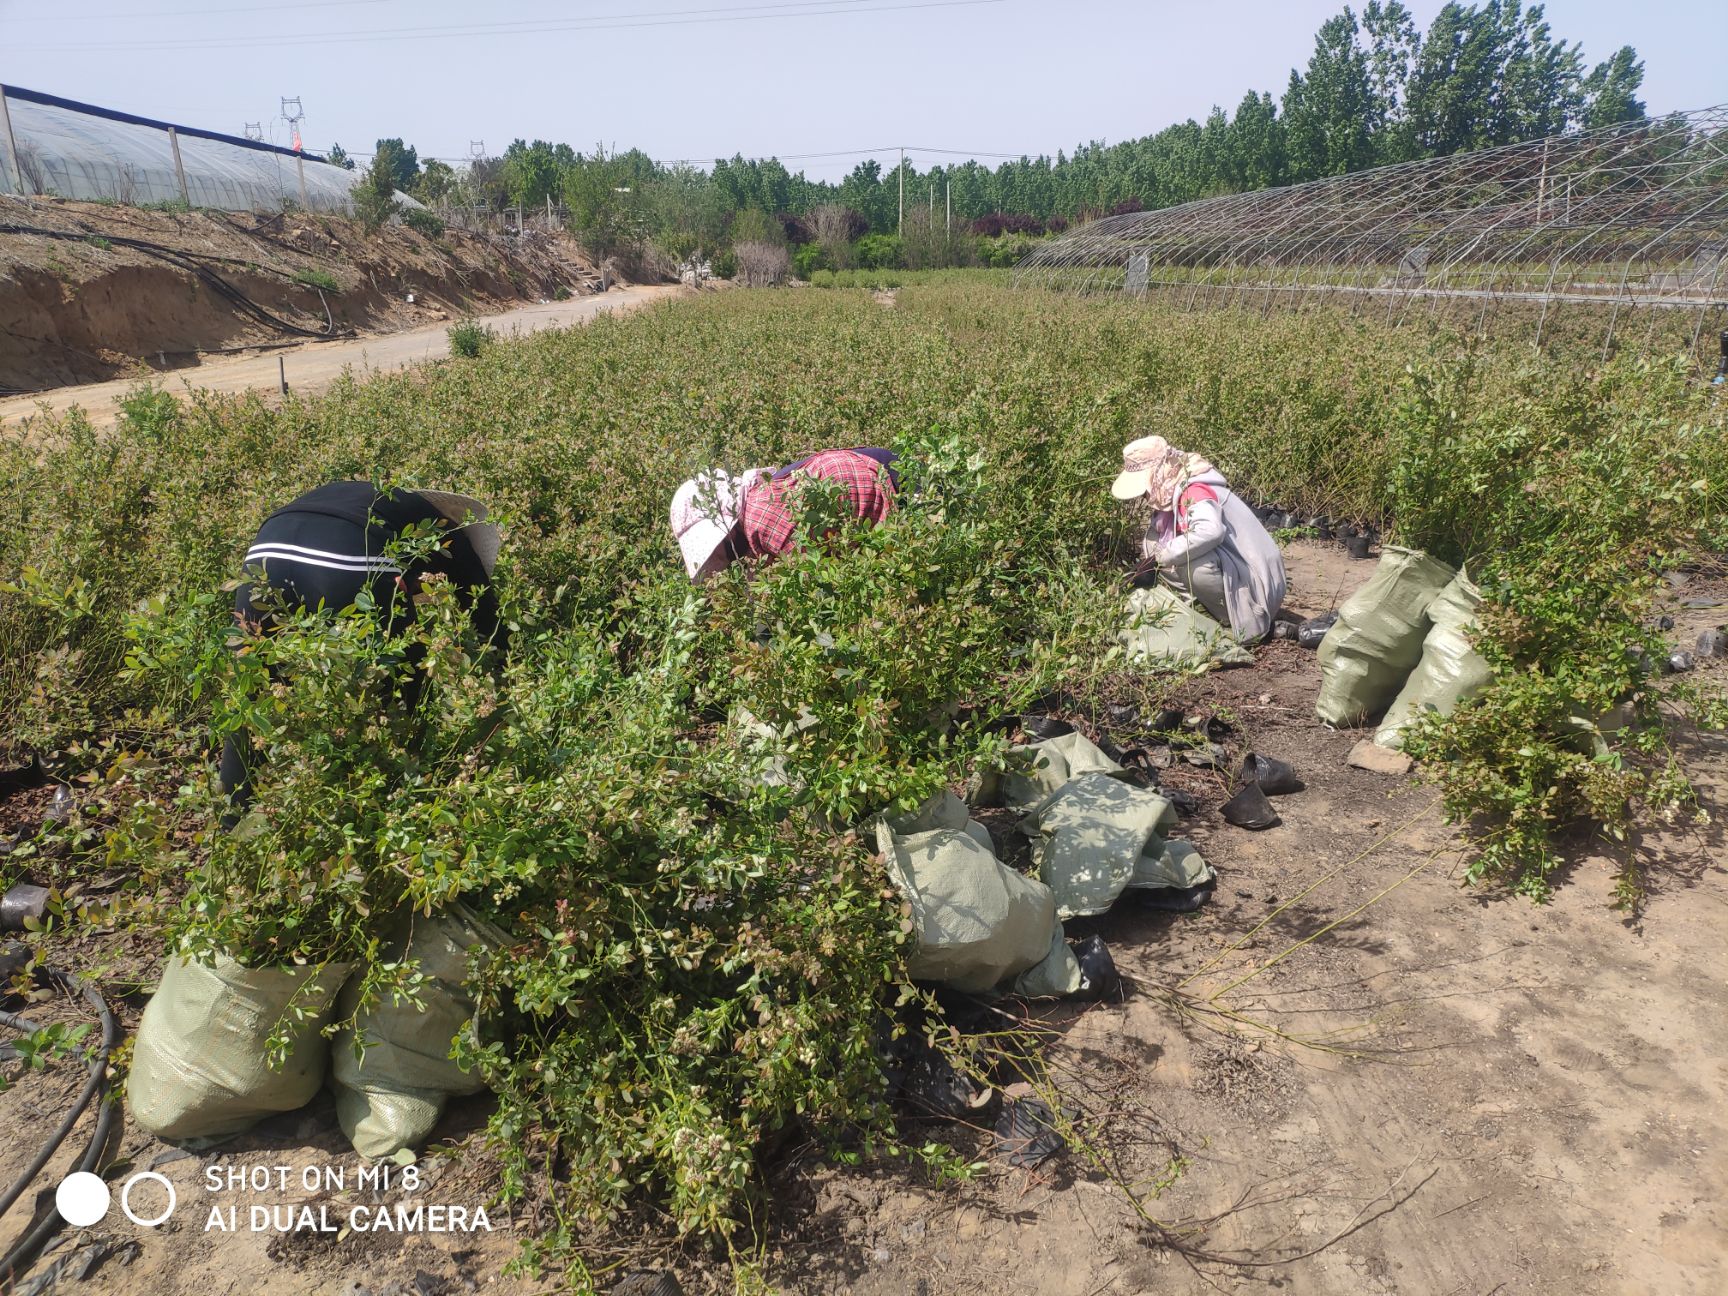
877,251
1568,495
810,260
423,221
374,196
468,338
698,949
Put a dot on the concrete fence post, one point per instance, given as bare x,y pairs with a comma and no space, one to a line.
16,166
179,167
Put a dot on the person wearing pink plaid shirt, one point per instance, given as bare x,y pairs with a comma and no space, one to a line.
718,517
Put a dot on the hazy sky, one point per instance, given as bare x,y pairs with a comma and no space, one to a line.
700,78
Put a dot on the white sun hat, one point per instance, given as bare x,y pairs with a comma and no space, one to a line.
468,514
1139,460
704,511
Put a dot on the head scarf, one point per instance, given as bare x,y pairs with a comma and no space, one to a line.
1168,470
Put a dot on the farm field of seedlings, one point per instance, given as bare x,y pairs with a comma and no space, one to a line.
1433,1034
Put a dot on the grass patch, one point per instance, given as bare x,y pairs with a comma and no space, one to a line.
321,279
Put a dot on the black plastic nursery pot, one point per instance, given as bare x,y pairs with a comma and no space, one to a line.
1098,969
1358,546
1042,728
1274,777
1249,809
22,904
1311,632
1176,899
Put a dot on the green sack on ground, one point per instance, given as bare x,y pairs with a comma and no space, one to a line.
1059,973
1036,770
199,1068
1173,863
1166,632
1450,669
1088,837
1366,657
391,1097
944,810
978,923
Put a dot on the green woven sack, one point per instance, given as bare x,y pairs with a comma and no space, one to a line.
980,926
1036,770
392,1096
1450,669
1089,836
1166,632
1366,657
1173,863
199,1068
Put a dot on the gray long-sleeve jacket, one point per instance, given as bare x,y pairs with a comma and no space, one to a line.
1253,568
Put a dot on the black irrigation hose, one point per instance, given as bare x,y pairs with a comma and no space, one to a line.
189,261
24,1252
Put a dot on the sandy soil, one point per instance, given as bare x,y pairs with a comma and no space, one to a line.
1443,1091
91,292
315,365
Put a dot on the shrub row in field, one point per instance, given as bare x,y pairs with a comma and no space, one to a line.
696,944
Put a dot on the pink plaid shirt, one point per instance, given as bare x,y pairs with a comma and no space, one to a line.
770,508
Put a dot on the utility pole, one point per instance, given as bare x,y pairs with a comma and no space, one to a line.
902,219
948,197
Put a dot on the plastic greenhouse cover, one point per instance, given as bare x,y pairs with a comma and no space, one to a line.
73,153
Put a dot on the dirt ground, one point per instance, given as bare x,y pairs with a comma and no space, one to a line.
93,291
1444,1091
314,366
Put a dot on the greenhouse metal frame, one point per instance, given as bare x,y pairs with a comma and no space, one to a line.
60,147
1623,217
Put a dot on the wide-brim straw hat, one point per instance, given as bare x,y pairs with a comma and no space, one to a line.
704,511
468,514
1139,460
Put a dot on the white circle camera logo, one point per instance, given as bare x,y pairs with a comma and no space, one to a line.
83,1198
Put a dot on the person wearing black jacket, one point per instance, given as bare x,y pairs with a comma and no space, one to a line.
335,542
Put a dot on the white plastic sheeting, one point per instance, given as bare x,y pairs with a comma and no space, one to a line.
78,151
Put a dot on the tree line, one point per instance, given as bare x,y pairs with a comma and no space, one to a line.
1375,90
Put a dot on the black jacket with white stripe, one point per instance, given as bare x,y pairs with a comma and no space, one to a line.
330,544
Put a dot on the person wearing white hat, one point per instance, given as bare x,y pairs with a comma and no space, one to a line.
330,545
1203,541
705,512
718,517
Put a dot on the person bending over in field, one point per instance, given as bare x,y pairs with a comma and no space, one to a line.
718,518
332,544
1204,541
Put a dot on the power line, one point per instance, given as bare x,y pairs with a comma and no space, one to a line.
607,22
261,12
709,159
846,153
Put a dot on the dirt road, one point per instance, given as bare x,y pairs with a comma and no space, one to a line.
316,365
